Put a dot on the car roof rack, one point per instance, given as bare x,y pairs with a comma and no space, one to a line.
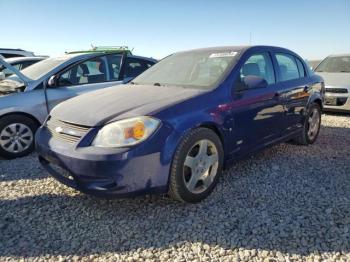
104,49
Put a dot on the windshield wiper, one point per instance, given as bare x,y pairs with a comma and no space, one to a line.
345,71
157,84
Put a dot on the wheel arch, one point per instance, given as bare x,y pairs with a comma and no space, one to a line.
21,114
212,126
319,102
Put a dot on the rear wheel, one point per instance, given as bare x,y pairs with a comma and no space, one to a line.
196,166
16,136
311,126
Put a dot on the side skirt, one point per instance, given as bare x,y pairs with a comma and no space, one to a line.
229,162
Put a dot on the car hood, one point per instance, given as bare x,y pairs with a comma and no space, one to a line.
336,79
118,102
9,86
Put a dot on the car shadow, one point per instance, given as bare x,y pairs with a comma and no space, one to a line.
27,168
298,207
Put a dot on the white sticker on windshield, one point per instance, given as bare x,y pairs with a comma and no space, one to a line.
224,54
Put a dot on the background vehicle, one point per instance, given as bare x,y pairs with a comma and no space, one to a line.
313,63
198,110
19,63
27,97
335,70
10,52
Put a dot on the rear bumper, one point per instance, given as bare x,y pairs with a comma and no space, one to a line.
103,172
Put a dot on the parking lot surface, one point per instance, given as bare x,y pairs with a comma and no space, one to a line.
287,203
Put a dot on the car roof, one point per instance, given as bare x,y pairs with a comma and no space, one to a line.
238,48
128,52
339,55
96,54
217,49
24,58
12,49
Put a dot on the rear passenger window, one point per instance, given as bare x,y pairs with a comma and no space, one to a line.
300,68
288,67
134,67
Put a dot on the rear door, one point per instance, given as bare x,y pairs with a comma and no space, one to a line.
294,88
257,112
89,75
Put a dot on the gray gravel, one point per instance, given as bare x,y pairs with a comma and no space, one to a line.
287,203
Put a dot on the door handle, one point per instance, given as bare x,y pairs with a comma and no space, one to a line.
276,95
306,88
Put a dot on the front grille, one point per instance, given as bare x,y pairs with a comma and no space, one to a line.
337,90
64,131
335,101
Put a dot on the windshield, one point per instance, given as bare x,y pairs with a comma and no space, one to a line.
41,68
335,65
197,69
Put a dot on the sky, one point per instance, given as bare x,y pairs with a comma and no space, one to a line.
313,29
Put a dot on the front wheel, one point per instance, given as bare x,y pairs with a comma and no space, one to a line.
311,126
16,136
196,166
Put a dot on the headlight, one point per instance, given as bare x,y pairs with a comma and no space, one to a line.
126,132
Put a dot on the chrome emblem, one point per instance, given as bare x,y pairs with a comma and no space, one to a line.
59,129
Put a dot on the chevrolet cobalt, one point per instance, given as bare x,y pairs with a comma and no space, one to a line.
174,128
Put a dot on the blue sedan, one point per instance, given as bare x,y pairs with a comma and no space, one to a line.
176,126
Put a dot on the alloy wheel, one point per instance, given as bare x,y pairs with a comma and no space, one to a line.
201,166
313,123
16,138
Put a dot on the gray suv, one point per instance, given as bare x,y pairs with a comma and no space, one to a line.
29,95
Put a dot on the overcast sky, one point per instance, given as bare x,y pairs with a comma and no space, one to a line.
314,29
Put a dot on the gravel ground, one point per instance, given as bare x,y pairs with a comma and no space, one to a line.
287,203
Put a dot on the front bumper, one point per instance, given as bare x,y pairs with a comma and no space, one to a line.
335,101
105,172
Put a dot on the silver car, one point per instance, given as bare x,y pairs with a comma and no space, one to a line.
28,96
335,70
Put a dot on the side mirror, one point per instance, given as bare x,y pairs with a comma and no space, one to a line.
252,81
2,76
52,81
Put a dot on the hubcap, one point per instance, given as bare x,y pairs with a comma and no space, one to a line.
314,123
201,166
15,138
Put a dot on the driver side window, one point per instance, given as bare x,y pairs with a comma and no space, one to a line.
259,65
88,72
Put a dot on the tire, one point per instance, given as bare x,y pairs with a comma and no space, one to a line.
16,136
202,150
305,137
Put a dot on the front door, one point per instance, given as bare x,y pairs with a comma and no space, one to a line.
257,112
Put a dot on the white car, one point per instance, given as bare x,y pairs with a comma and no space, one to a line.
335,70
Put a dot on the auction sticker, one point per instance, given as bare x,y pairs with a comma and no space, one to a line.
223,54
